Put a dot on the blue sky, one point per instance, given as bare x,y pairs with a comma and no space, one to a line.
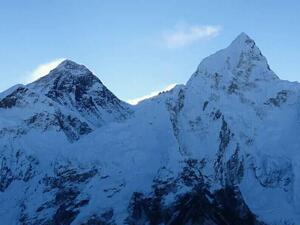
138,47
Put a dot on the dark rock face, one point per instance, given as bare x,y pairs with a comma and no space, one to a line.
72,126
235,168
16,167
103,219
175,109
227,207
198,206
225,136
8,101
205,105
232,88
65,187
274,175
15,97
280,98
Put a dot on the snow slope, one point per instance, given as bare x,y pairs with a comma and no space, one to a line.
222,149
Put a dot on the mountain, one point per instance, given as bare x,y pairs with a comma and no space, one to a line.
69,99
77,89
221,150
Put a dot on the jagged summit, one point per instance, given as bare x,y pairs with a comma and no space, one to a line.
77,88
67,71
242,46
69,65
243,40
69,68
243,35
66,74
241,60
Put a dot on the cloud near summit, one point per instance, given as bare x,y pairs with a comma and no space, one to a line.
43,69
183,35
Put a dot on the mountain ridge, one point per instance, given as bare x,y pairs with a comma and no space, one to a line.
222,149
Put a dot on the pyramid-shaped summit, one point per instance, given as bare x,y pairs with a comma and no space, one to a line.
77,88
243,40
241,60
73,67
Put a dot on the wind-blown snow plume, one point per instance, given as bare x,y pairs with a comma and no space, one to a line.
43,69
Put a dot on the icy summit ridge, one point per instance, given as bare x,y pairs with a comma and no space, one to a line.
70,66
242,60
67,72
243,40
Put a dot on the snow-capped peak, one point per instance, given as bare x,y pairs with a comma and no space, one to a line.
67,72
68,63
77,88
242,60
70,67
243,40
243,46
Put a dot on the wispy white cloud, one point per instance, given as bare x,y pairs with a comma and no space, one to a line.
43,69
152,94
183,35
